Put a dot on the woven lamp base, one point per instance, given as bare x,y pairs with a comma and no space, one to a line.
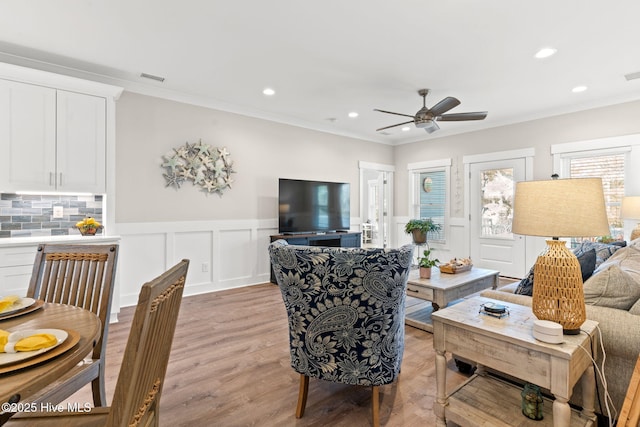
557,288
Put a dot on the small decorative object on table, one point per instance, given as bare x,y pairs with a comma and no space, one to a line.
456,265
88,226
532,401
494,309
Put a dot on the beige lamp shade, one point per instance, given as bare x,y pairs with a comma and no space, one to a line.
631,210
631,207
560,208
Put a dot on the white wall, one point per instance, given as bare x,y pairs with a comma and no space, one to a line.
595,124
227,235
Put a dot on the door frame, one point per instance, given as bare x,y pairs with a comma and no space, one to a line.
389,170
528,155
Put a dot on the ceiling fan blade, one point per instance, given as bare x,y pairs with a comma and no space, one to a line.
392,126
445,105
391,112
458,117
431,129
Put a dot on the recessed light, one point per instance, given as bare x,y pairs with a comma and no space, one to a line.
406,129
268,91
545,52
353,114
579,89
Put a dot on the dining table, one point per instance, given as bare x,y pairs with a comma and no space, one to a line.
20,380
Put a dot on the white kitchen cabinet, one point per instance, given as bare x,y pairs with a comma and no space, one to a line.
51,139
81,138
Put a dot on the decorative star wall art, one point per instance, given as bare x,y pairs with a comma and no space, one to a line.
203,165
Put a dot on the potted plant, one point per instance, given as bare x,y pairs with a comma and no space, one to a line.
426,263
419,228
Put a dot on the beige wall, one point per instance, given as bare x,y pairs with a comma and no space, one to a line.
148,128
621,119
263,151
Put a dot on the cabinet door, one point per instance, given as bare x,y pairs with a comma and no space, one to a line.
81,143
27,137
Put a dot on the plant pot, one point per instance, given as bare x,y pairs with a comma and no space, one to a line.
425,272
419,237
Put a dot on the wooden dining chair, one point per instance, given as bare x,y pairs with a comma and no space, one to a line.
630,412
144,364
84,276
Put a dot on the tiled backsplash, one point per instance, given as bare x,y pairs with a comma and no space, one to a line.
24,215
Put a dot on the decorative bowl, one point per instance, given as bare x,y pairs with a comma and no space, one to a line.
89,231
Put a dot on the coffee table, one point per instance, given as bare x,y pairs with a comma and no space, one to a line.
441,289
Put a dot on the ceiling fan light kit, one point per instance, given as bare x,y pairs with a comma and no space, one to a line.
426,118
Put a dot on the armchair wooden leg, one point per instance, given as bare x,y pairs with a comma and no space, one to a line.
375,405
302,395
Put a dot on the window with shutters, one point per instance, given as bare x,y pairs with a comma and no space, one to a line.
610,166
430,198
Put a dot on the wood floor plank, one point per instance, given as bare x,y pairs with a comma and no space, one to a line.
230,366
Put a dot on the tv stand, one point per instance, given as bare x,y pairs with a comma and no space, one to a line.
346,239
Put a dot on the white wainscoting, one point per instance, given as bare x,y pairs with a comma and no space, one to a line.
224,254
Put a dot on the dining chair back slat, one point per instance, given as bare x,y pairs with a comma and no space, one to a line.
146,356
83,276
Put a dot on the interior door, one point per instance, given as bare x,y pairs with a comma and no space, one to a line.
491,189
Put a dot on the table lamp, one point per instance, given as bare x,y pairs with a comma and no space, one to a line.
559,208
631,210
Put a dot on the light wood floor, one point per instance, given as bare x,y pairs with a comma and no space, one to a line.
230,366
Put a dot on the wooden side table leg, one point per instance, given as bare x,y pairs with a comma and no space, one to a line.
588,382
441,382
561,412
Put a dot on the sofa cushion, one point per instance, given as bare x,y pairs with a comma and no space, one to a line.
611,287
616,283
587,262
635,308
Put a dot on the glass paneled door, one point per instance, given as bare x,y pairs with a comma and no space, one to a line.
375,188
493,245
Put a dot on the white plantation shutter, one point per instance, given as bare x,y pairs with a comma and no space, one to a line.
609,167
431,199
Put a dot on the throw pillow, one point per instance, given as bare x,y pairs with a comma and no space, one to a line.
612,287
587,262
635,309
525,287
603,250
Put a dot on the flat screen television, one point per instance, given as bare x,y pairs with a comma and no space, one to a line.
313,206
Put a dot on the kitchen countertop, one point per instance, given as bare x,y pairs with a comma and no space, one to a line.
29,241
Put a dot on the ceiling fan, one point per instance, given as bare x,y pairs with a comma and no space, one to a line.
426,118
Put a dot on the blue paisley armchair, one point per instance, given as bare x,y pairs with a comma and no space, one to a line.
345,308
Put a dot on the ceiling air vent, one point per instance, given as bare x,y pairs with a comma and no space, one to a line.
632,76
152,77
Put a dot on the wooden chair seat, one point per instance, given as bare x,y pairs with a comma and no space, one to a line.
144,365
